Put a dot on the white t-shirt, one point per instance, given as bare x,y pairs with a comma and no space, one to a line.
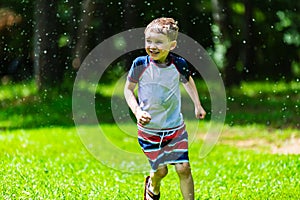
158,89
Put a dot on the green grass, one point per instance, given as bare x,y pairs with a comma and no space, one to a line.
17,91
42,156
272,104
52,163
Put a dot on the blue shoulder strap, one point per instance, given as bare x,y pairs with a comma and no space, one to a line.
183,68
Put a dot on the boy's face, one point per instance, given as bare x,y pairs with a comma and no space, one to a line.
158,45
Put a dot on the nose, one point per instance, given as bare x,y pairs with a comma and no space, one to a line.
152,46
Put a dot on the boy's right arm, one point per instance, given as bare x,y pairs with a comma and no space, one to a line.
141,116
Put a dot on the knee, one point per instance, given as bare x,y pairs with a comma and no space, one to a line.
183,170
161,173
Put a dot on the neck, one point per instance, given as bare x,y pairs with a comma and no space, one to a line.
165,62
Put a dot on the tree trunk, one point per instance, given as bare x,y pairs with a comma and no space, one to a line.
130,21
221,13
249,40
82,47
130,15
48,69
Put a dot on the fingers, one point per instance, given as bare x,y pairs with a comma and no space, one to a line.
144,118
146,115
200,114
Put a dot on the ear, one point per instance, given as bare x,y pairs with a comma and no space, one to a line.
173,44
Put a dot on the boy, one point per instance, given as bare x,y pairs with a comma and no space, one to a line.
161,130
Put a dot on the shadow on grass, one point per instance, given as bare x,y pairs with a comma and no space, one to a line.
36,112
272,109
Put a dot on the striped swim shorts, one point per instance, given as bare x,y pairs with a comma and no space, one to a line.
164,146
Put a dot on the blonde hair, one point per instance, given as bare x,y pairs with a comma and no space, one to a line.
164,25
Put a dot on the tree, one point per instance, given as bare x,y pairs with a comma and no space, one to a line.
8,19
81,49
224,31
48,68
249,54
235,30
252,39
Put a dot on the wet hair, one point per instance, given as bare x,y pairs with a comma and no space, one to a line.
164,25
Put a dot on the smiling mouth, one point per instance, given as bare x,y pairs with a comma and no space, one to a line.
154,52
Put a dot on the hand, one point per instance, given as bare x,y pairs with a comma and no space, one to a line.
142,117
200,112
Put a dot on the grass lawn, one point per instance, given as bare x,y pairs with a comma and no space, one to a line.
42,156
52,163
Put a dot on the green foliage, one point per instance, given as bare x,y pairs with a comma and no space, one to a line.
274,27
238,8
289,27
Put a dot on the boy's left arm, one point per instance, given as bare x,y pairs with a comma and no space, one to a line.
191,89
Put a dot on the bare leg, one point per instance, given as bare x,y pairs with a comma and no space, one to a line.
186,180
156,178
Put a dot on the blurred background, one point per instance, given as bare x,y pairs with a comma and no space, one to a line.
248,39
43,43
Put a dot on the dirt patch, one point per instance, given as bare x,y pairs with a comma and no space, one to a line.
291,146
254,144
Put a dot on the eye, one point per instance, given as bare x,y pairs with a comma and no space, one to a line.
148,41
158,42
